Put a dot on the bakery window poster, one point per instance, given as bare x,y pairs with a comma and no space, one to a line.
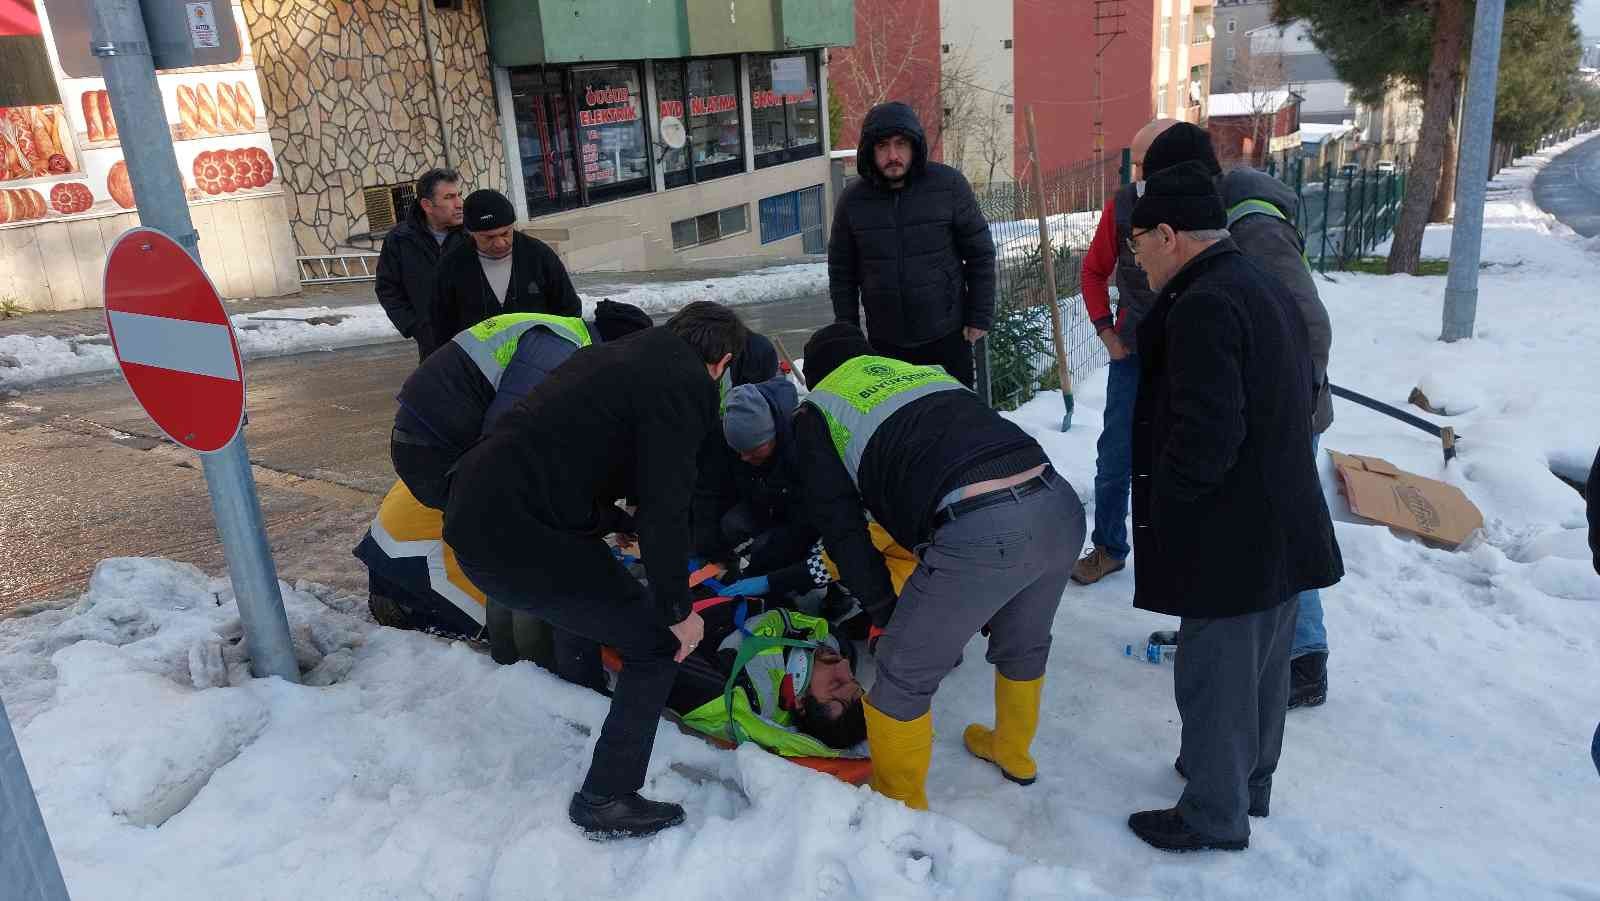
61,148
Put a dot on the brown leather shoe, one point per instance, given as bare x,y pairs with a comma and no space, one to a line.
1095,565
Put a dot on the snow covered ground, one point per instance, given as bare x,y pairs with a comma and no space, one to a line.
26,359
1451,760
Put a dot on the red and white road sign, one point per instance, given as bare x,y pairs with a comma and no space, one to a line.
174,340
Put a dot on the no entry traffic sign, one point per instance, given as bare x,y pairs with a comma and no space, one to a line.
174,341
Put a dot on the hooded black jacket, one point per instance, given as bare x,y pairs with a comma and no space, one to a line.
539,284
920,259
621,419
1228,512
406,268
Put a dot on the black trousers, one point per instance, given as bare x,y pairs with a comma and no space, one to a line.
952,352
575,584
422,467
773,545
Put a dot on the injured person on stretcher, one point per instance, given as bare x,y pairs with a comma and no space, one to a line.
765,671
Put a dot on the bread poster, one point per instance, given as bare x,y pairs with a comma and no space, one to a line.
65,160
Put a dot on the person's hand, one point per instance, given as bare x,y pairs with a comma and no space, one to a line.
1113,344
753,587
689,632
973,334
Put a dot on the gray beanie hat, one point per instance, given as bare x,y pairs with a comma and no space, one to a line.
747,420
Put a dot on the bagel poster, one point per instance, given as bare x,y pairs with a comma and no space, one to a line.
61,148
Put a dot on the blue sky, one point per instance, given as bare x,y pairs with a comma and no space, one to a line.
1589,18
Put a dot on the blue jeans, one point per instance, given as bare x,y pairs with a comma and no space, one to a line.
1309,634
1113,465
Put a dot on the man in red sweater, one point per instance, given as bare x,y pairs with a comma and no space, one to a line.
1108,260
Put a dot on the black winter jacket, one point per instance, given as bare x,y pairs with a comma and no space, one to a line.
622,419
1592,494
539,284
920,259
406,269
771,491
922,453
1228,512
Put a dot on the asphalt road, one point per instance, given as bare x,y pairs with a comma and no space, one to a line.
85,475
1569,188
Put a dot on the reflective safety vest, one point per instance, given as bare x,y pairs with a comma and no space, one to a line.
862,394
493,342
1254,206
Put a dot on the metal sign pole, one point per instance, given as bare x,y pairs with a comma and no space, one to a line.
1472,173
118,39
28,867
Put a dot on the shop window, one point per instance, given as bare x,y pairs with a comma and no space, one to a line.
703,95
785,108
545,140
780,217
708,227
613,152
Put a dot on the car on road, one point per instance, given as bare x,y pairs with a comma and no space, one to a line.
1349,170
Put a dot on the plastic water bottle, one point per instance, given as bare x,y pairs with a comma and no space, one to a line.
1160,647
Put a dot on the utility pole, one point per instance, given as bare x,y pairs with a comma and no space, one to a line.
119,40
1107,26
1472,173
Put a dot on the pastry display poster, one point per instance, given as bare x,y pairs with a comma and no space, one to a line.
61,152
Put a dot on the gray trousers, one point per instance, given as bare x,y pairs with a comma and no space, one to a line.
1005,565
1231,682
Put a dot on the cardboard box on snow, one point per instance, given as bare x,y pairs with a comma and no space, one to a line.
1379,490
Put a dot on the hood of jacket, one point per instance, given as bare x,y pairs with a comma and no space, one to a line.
1244,183
884,120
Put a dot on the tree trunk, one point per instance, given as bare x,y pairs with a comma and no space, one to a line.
1438,105
1444,199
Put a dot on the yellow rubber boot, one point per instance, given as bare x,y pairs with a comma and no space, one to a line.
1016,719
900,755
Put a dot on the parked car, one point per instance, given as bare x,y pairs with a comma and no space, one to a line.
1349,170
1385,167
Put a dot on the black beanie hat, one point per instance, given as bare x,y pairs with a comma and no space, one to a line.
618,320
830,347
486,209
1183,197
1184,142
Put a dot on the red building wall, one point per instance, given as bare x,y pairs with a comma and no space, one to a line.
895,57
1236,139
1055,51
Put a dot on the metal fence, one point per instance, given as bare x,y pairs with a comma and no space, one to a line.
1344,215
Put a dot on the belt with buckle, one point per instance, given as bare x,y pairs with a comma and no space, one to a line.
989,498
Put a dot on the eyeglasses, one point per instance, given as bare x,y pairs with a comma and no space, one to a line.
1133,239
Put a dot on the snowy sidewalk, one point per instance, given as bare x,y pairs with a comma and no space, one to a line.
39,346
1450,761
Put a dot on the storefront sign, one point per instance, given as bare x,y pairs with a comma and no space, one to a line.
608,116
770,99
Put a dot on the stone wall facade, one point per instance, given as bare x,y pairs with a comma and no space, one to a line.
349,89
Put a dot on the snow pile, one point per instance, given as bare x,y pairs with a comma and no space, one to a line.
407,767
1015,239
28,359
773,283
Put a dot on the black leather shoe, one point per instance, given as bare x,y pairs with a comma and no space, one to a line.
625,816
1165,829
1260,801
1308,680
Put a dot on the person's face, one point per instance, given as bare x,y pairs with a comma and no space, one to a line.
892,155
1156,252
494,243
760,454
444,208
833,685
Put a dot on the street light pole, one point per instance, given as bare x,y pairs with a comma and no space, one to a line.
1472,174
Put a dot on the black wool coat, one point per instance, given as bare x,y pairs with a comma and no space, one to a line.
1228,512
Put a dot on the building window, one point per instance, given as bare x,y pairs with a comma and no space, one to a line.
1161,101
1166,32
780,217
1233,25
1006,43
545,139
708,227
1230,54
703,96
1183,30
612,147
944,48
785,112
